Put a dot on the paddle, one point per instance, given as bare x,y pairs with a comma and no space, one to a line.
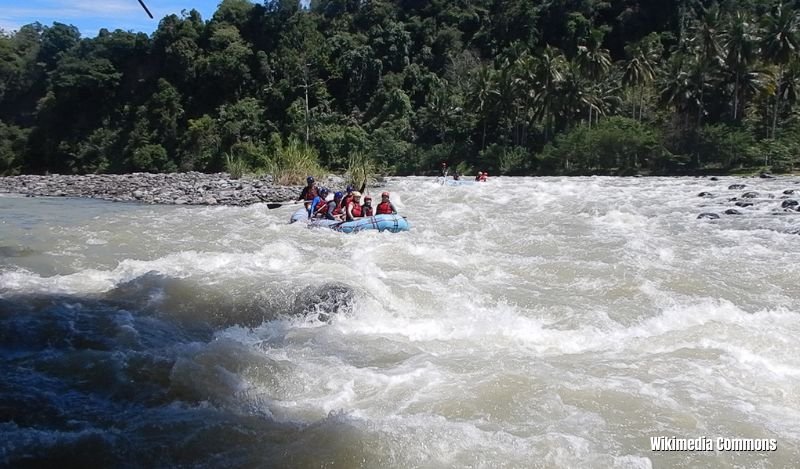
145,9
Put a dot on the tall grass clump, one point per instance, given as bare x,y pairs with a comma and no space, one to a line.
293,162
235,166
361,170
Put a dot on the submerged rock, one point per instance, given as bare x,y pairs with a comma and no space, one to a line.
705,194
732,211
324,300
708,215
734,187
789,203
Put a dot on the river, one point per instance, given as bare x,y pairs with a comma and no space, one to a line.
523,322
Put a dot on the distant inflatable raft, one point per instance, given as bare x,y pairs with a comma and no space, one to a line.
390,223
452,182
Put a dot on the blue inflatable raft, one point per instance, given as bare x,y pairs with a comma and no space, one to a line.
452,182
298,215
390,223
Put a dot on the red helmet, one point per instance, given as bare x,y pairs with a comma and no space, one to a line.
385,194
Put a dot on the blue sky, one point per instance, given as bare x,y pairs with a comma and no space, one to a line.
91,15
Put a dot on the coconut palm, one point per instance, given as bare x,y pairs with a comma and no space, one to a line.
780,45
639,72
544,75
740,47
593,61
482,95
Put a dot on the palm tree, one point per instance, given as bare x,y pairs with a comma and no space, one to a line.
545,74
707,50
739,44
508,89
482,95
681,86
780,45
640,71
441,108
593,61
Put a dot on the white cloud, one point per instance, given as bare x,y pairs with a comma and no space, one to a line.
75,9
8,26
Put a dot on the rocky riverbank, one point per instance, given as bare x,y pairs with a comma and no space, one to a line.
174,188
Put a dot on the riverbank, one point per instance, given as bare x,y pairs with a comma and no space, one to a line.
190,188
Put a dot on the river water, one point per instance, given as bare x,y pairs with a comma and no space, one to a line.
524,322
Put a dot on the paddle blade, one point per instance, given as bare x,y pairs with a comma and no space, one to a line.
271,206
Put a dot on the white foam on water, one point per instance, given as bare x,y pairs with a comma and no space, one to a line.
558,320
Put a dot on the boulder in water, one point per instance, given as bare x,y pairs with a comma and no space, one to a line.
705,194
750,195
790,191
707,215
766,175
744,204
732,211
734,187
789,203
324,300
713,178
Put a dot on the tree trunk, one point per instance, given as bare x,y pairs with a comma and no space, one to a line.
305,87
736,98
776,109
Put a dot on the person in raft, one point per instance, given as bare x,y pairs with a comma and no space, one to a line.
444,170
385,207
478,177
484,176
309,192
319,205
348,196
366,209
334,208
353,208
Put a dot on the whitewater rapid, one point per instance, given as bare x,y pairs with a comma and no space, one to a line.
524,322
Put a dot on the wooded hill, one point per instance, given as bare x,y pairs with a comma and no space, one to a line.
508,86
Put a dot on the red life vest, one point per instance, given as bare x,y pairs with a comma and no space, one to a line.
483,178
309,194
384,208
338,209
346,200
322,204
367,211
355,210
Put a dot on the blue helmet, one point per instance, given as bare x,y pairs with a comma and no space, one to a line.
323,190
337,195
349,188
309,179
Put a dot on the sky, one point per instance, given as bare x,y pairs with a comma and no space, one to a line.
91,15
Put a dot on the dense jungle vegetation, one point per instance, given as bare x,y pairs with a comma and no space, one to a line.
508,86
